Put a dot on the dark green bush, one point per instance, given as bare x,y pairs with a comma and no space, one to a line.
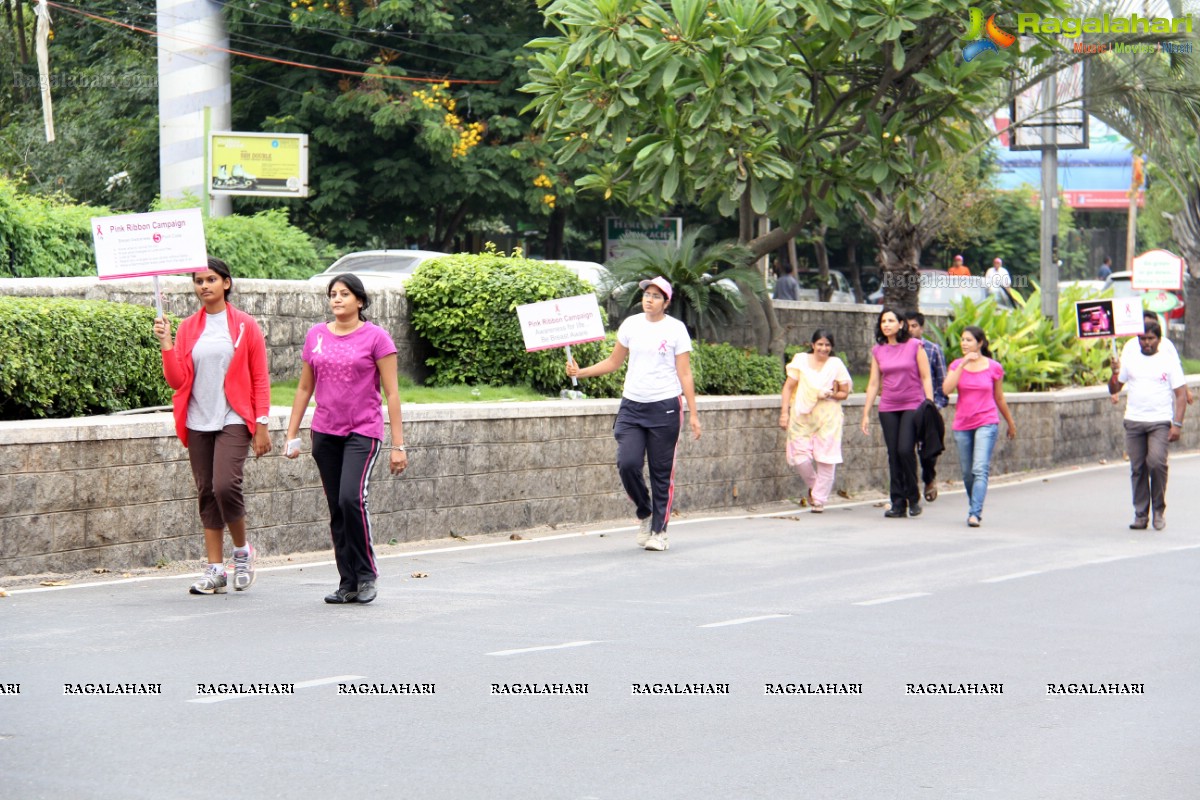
725,369
465,306
69,358
265,245
45,237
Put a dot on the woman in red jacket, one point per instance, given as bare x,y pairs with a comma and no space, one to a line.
217,366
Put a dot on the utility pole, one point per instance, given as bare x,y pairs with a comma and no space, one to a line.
1049,237
193,96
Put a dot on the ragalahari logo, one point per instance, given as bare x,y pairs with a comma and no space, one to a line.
980,37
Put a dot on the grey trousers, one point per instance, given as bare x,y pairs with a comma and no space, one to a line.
1146,443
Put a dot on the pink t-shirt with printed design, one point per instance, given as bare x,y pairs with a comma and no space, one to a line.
347,378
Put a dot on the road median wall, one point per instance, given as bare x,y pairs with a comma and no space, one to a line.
117,492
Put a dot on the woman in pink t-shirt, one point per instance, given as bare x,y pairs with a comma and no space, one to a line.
346,362
979,382
900,368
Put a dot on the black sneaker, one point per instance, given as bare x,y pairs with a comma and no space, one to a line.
1139,524
366,591
342,596
914,510
895,512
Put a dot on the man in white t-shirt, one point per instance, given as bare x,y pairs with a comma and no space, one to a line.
997,276
1154,412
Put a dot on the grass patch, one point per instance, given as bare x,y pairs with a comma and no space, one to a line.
1191,366
284,393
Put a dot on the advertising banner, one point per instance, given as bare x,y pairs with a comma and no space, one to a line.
258,164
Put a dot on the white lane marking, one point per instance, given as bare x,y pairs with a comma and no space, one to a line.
301,685
892,599
604,531
744,620
1013,576
538,649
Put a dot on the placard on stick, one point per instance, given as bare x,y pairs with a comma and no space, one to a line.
1106,319
561,323
156,243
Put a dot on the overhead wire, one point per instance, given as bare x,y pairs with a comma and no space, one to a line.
259,57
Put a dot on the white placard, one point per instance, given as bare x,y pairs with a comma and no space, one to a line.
157,243
562,322
1127,316
1157,269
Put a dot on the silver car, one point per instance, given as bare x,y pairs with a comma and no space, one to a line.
378,266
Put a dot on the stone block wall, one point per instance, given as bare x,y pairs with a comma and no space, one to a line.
117,492
285,310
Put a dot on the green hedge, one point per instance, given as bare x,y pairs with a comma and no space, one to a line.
465,306
45,237
70,358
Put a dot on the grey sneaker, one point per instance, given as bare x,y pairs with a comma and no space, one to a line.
213,582
1160,522
243,569
643,534
657,541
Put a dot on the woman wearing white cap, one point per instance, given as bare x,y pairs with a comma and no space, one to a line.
651,414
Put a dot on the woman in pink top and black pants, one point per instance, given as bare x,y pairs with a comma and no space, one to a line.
899,363
346,362
979,382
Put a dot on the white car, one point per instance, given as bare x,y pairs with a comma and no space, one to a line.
810,287
378,266
595,274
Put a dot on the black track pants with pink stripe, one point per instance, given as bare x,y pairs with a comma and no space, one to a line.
345,464
649,432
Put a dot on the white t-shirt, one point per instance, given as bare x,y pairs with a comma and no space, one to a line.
208,408
997,278
652,346
1151,381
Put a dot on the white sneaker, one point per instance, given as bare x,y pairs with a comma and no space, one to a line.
243,569
657,541
213,582
643,534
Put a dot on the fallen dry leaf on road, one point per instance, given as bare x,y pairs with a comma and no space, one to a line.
3,593
100,570
843,494
55,583
454,535
420,575
516,537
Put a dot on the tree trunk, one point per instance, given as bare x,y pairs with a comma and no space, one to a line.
826,291
899,258
855,271
20,31
1185,227
555,234
445,238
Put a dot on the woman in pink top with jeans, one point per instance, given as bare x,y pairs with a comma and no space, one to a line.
900,368
979,382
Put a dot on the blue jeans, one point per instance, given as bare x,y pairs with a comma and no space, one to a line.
975,457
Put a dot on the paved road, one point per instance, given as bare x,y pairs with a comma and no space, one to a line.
1054,589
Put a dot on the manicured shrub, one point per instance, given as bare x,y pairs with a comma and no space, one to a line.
68,358
44,237
265,245
465,306
725,369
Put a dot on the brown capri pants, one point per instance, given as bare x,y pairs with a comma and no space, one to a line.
217,459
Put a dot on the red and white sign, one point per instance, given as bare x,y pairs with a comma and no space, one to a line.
562,322
1157,269
157,243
